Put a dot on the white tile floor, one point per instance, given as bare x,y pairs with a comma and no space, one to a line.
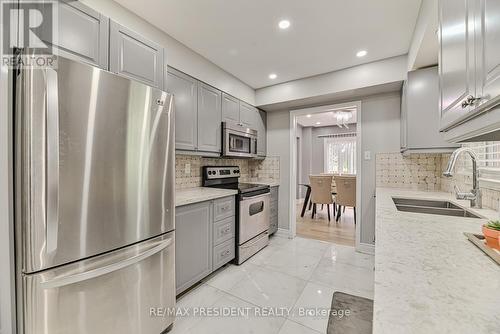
299,274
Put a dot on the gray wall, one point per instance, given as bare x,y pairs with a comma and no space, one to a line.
278,144
318,147
379,133
380,120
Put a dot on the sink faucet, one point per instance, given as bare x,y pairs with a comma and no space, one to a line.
474,196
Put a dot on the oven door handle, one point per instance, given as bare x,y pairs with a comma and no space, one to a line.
243,198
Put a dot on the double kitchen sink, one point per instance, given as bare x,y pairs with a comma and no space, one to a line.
435,207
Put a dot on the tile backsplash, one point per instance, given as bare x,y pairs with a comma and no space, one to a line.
188,169
416,171
424,172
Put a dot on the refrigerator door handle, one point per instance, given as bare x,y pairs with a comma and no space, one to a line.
52,211
84,276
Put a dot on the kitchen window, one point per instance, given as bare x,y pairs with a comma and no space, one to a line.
340,153
488,156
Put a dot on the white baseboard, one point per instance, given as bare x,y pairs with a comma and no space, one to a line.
282,233
366,248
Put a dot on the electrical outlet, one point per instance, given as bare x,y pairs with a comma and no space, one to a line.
368,155
187,169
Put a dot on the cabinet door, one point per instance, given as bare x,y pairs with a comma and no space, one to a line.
193,244
456,59
422,111
488,49
82,34
248,115
262,133
209,119
185,91
230,108
135,57
404,119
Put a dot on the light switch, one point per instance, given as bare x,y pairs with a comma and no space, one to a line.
187,169
368,155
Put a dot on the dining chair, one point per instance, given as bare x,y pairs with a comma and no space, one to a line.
346,193
321,192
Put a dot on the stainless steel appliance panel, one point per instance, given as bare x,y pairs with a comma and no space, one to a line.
254,216
96,159
252,247
111,293
239,141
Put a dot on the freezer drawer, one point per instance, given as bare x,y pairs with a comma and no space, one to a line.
112,293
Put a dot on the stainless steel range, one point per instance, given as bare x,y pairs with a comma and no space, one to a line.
253,215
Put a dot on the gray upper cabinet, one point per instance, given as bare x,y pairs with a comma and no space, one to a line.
420,113
248,115
404,118
488,51
209,118
83,34
135,57
185,91
470,69
230,108
261,133
456,60
193,244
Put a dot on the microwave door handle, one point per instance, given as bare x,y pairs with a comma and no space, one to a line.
52,199
94,273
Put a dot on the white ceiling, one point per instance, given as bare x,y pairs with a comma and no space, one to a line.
243,38
326,118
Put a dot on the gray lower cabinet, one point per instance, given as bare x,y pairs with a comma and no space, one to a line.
82,34
135,57
204,239
193,245
185,91
209,119
273,225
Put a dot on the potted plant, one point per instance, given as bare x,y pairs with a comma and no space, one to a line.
491,232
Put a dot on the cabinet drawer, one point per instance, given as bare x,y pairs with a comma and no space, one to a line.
273,209
224,208
274,193
224,230
223,253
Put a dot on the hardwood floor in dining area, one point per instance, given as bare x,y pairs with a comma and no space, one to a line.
342,232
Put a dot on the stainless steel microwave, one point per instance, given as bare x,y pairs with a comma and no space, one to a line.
238,141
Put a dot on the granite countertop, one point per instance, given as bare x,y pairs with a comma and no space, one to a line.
428,276
200,194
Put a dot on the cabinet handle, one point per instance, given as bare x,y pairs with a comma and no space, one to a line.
469,101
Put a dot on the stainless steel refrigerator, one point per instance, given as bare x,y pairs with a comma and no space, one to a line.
94,170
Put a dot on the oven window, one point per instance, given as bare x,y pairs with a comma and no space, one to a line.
256,208
239,144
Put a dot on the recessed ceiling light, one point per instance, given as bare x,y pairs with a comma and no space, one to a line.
284,24
272,76
318,123
361,53
308,116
